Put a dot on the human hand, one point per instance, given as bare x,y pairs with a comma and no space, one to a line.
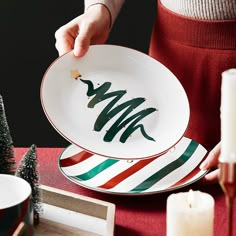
211,161
92,27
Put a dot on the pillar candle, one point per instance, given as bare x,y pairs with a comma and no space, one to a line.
228,116
190,214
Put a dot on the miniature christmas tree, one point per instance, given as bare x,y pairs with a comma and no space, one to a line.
27,170
7,161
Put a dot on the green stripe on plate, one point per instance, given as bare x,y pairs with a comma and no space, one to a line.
167,169
96,170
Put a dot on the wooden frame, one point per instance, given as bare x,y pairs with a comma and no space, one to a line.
80,215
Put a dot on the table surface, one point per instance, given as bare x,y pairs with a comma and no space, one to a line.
135,215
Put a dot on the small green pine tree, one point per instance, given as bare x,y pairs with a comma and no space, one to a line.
7,161
27,169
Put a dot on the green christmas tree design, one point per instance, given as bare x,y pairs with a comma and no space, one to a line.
7,157
27,169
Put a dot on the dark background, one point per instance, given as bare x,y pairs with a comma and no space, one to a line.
28,47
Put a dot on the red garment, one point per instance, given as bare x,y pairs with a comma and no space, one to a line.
197,52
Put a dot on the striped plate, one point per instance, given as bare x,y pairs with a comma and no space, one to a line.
175,169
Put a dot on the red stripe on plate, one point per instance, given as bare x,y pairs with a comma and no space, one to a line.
187,177
126,173
75,159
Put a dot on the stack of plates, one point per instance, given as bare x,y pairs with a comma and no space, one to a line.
125,115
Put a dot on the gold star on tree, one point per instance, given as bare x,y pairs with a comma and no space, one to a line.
75,74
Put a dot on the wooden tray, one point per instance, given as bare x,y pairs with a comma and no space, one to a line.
66,213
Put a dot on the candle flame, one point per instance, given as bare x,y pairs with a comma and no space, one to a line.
190,198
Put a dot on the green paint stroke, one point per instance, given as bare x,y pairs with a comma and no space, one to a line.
111,110
96,170
167,169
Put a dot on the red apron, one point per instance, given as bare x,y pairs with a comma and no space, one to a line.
197,52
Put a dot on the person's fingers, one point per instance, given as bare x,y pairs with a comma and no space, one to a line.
212,158
64,40
211,178
82,41
81,46
63,46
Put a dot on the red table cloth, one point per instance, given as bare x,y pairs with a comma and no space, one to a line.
143,215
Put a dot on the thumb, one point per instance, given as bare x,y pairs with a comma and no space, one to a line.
212,158
82,42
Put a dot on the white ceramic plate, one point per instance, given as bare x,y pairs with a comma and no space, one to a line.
176,168
115,102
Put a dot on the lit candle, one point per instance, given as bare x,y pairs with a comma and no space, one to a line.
190,214
228,116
